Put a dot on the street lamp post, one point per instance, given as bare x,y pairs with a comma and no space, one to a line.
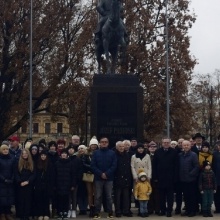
167,76
30,82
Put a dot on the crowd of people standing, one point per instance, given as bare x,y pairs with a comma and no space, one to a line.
47,180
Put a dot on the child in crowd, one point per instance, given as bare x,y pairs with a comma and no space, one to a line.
64,183
207,187
142,192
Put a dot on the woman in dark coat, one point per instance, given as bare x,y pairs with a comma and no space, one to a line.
6,182
24,175
43,186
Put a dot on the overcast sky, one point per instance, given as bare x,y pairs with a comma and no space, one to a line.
205,35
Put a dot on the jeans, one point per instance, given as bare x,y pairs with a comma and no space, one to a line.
105,185
143,206
207,199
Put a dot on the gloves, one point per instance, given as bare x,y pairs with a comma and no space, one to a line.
8,181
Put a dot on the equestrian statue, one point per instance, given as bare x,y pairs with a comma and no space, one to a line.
110,33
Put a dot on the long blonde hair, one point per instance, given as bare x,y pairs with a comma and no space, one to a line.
25,164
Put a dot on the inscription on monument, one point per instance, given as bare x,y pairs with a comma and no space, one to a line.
117,115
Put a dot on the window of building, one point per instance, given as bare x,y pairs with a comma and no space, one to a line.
59,127
35,128
24,128
47,128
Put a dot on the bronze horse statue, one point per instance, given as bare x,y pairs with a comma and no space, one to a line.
113,34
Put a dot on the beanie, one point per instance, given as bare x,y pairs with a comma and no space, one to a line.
141,173
93,141
43,152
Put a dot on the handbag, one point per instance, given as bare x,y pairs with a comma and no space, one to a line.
88,177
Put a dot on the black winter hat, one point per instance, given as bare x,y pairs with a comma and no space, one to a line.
44,152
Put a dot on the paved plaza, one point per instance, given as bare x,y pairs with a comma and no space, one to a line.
135,211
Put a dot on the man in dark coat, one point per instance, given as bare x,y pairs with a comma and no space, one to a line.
122,181
165,171
188,174
198,138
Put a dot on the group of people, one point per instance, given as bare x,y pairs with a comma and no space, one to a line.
39,175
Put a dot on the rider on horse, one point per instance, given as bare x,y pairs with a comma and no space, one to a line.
104,9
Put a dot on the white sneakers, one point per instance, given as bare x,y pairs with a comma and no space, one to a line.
71,214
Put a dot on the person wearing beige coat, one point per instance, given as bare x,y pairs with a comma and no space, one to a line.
140,160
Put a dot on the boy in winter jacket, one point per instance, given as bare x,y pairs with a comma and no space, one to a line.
207,187
142,192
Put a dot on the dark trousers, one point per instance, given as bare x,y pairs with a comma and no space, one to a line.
207,200
24,201
62,203
5,210
217,199
42,202
166,197
179,196
122,201
154,201
190,197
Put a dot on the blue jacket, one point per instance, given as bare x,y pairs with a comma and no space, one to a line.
188,166
104,161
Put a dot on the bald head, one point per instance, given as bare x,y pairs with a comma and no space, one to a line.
186,145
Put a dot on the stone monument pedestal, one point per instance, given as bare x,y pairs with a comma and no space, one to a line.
116,107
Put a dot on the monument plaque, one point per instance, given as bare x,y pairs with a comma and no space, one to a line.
116,107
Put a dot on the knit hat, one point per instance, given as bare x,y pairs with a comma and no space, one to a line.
43,142
141,173
33,146
206,163
152,144
5,142
82,147
43,152
93,141
205,144
174,142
